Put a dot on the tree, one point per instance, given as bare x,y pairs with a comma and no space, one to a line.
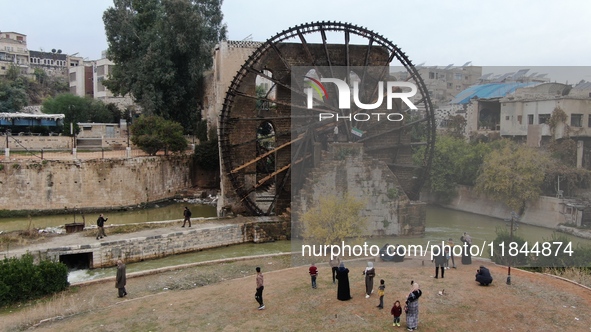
161,49
13,97
455,161
333,220
513,175
154,133
77,109
456,125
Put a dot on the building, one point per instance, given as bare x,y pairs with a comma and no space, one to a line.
101,70
13,51
228,56
526,114
443,83
81,80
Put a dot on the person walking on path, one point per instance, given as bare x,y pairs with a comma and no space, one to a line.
334,264
100,223
260,287
412,307
121,279
187,215
313,274
381,292
343,290
369,273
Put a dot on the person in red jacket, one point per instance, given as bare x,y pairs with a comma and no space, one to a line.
396,312
313,274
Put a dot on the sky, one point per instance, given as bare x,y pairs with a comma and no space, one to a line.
519,33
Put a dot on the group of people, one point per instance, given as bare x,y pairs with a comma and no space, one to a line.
341,273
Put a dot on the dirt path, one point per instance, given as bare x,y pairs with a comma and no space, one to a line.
533,302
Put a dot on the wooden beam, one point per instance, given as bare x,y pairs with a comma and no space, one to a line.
265,155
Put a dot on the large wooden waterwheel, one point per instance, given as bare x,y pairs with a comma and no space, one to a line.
267,134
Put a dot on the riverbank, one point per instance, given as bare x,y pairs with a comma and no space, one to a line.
578,232
219,297
205,197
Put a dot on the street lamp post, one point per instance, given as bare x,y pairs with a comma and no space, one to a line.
513,217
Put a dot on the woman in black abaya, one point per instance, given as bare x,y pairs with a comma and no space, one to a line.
343,292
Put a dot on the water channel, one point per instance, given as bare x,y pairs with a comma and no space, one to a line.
442,224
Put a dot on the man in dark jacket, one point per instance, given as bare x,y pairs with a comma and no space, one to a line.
187,215
100,223
483,276
439,261
120,280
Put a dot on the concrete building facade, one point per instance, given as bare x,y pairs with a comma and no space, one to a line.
13,51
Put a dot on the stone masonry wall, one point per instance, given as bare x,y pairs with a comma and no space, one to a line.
345,168
134,249
52,185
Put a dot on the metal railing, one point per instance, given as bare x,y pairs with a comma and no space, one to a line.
78,155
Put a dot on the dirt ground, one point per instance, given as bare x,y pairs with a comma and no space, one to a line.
220,297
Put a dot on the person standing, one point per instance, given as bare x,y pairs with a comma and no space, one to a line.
313,270
439,262
260,287
450,243
343,290
396,311
100,223
334,264
412,307
381,292
121,279
369,273
187,215
467,243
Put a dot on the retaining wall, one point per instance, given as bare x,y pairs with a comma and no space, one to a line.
134,249
545,211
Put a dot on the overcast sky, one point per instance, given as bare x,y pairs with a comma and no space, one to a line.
488,33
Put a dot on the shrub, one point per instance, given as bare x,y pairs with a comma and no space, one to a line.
503,257
22,280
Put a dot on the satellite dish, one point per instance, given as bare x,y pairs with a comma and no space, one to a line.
53,50
59,51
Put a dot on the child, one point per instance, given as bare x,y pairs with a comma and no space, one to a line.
381,294
313,274
396,312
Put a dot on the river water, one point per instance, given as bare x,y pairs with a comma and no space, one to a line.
136,215
442,224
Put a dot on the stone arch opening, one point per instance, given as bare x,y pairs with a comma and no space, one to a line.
79,261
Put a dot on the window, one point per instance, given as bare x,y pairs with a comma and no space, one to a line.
458,76
450,85
530,119
72,77
519,117
458,87
543,118
506,118
431,75
589,122
576,120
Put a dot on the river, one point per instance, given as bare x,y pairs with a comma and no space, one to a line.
442,224
165,211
